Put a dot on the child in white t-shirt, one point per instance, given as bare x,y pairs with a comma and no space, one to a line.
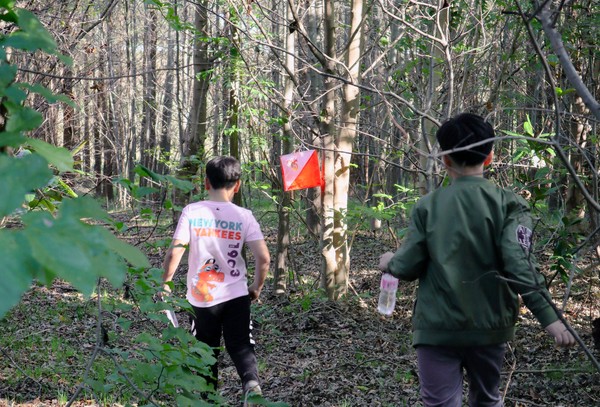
217,288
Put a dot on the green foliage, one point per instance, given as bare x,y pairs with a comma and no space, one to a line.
62,243
386,207
173,362
556,231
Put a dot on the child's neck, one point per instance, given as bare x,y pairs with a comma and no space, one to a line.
221,195
456,172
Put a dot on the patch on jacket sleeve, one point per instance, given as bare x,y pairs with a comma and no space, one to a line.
524,237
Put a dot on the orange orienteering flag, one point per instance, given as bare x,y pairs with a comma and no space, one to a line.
300,170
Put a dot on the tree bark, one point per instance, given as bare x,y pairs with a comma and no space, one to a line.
283,231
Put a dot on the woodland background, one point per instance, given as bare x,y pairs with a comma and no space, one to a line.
111,108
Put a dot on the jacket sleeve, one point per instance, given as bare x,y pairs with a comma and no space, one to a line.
520,265
410,261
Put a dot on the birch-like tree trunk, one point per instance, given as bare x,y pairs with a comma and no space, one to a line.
328,132
344,146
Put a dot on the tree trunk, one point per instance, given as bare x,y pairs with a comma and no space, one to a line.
344,146
283,231
148,124
328,131
313,195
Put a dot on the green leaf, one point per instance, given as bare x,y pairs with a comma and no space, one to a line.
50,96
84,207
528,127
185,186
61,247
60,157
75,250
67,189
8,15
32,35
16,95
7,75
18,269
132,254
18,176
140,192
145,172
22,118
13,139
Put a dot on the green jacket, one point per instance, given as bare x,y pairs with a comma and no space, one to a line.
461,240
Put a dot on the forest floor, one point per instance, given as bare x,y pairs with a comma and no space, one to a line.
313,352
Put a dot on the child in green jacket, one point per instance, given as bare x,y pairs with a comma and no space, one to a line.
469,245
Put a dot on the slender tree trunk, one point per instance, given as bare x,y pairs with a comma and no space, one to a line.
234,97
328,131
167,108
130,47
148,125
283,232
313,195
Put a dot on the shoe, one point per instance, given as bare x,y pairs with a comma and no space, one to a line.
251,388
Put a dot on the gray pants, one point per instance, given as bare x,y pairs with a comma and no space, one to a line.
441,375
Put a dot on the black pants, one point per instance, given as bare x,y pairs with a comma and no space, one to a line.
232,319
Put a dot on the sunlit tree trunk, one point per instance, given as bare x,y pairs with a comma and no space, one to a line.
148,124
439,75
344,147
167,106
328,132
232,132
198,119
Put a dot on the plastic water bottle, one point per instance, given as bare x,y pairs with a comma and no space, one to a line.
387,295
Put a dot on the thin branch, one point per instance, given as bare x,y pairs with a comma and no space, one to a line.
557,148
102,78
565,61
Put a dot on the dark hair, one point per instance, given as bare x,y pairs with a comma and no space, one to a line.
462,131
223,172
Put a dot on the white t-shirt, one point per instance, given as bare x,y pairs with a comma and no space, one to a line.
216,232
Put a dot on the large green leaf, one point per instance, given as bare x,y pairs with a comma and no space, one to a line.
86,207
7,75
16,95
13,139
22,118
132,254
16,269
60,245
183,185
60,157
50,96
19,176
32,35
77,251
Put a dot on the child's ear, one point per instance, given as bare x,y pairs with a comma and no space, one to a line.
488,159
447,161
207,185
237,186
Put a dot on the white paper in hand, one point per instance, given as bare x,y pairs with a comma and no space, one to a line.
172,317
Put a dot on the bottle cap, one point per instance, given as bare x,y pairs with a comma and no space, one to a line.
388,282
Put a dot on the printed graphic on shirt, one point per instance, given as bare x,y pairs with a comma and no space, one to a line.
202,282
524,237
217,228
